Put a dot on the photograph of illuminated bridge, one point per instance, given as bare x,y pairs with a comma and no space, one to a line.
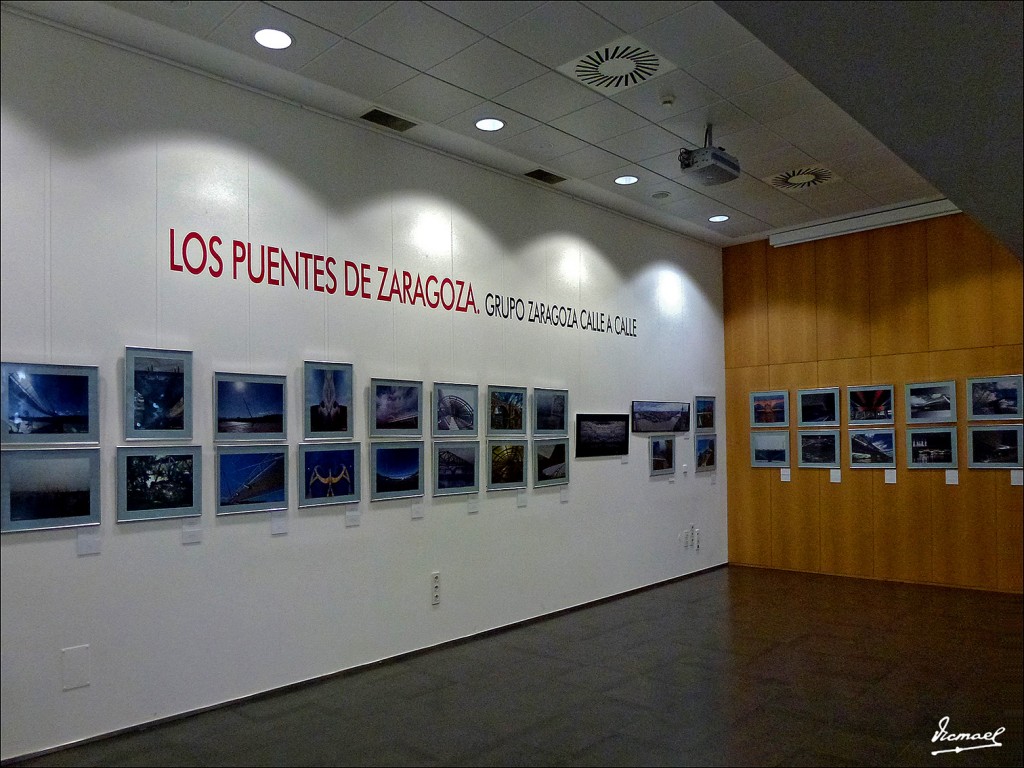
47,403
251,479
873,448
456,467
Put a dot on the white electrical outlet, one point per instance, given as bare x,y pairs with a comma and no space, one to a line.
696,540
435,588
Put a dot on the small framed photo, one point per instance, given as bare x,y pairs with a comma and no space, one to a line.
550,412
704,408
769,409
396,470
705,452
251,478
159,482
994,397
49,403
932,401
870,405
874,448
818,449
328,474
818,407
658,416
506,464
550,462
456,467
455,410
931,448
157,394
53,488
662,449
994,447
396,408
249,406
506,411
327,400
769,448
602,434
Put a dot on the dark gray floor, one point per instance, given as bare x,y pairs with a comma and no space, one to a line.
735,666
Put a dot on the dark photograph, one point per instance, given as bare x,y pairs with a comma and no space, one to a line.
705,413
396,408
50,489
330,474
870,405
250,405
550,412
328,394
397,470
995,447
456,467
819,449
602,434
551,462
818,407
44,403
998,397
705,452
931,448
159,481
507,464
251,480
873,448
663,459
506,408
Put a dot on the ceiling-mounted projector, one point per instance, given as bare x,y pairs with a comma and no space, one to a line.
709,165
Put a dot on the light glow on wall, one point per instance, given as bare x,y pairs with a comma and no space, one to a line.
432,234
670,294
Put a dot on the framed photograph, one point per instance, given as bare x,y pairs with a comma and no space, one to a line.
769,448
249,406
157,394
43,489
874,448
251,478
931,448
455,410
658,416
327,400
328,474
602,434
456,467
506,410
550,412
49,403
159,482
550,462
818,449
870,405
662,449
396,408
930,402
396,470
817,407
705,452
704,408
994,397
506,464
995,447
769,409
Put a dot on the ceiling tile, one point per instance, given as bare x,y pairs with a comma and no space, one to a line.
833,199
355,69
236,32
742,69
488,68
339,18
919,191
542,142
750,142
779,161
723,117
633,16
465,122
547,97
541,34
875,169
430,99
698,32
585,162
486,15
667,165
415,34
599,121
759,200
643,143
198,18
684,91
776,100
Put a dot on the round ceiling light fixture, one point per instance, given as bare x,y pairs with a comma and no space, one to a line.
718,219
625,180
274,39
490,124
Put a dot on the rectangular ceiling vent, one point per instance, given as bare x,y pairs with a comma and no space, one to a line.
546,176
393,122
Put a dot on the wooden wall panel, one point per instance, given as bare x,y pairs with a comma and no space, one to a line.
959,284
1009,534
792,328
750,521
899,289
964,544
843,283
1007,297
745,294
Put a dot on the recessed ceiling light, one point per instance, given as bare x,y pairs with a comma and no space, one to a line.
273,38
490,124
627,180
718,219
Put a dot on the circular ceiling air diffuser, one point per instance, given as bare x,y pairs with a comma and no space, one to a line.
802,178
617,67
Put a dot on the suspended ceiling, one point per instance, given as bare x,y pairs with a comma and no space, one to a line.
591,91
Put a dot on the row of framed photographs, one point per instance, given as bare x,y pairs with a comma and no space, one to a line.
930,402
662,416
661,450
988,447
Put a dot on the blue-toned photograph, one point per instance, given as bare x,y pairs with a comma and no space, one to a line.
49,489
994,397
396,408
456,467
49,403
397,470
328,399
873,448
705,454
550,412
329,474
249,406
251,479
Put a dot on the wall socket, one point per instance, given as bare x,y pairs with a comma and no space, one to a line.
435,588
696,538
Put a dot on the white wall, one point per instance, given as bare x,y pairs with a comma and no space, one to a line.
103,152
